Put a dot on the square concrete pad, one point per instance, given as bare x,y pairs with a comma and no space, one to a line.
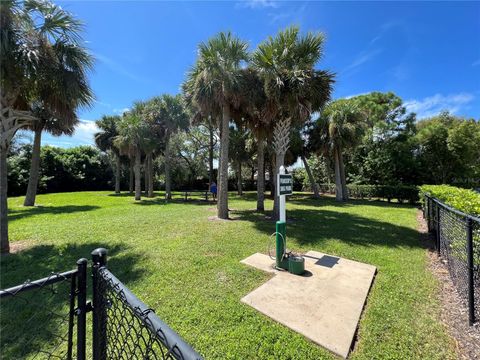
324,305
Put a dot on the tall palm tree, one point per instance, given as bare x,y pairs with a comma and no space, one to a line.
254,106
132,131
43,62
169,113
293,86
104,140
212,85
340,127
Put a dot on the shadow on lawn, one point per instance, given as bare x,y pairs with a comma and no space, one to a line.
314,226
35,320
15,214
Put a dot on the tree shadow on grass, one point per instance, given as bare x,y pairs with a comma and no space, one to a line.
314,226
15,214
37,320
309,200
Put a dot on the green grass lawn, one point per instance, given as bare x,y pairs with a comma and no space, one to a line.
187,268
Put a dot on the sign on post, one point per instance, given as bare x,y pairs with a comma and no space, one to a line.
285,184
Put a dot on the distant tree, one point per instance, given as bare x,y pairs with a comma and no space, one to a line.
212,86
238,152
340,127
105,142
43,62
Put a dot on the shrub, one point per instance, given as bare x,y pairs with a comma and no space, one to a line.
402,193
465,200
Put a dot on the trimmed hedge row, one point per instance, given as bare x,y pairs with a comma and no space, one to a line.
467,201
402,193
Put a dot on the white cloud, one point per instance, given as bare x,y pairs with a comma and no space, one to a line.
84,132
257,4
433,105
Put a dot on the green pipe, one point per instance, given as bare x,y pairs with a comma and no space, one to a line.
281,237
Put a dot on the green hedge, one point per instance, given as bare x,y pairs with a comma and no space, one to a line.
464,200
401,193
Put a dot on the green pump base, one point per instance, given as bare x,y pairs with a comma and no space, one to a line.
296,264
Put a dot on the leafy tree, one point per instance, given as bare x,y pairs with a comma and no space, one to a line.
340,127
212,86
238,152
41,48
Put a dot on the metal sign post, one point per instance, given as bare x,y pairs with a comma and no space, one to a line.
284,188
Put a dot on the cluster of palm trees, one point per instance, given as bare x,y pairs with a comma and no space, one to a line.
141,134
273,92
43,75
269,91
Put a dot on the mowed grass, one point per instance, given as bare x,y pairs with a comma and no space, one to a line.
188,269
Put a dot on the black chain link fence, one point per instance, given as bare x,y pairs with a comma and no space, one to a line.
43,308
46,319
457,237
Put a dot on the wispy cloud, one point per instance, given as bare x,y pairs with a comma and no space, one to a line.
292,15
118,68
433,105
476,63
361,59
257,4
120,111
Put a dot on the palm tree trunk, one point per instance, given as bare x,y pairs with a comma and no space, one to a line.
279,160
260,175
342,176
271,166
168,173
117,173
222,205
239,179
138,175
313,184
145,174
150,175
131,177
210,155
4,244
34,169
338,176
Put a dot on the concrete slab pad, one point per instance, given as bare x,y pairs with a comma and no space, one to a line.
324,305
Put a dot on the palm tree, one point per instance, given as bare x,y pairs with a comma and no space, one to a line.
169,113
340,127
212,85
43,65
239,152
105,142
132,131
254,107
293,86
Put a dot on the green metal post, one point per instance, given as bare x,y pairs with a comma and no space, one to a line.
281,236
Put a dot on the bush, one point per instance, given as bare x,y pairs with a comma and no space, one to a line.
402,193
465,200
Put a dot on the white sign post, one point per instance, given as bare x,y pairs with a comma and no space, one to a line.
284,188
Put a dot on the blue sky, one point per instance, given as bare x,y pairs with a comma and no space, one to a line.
426,52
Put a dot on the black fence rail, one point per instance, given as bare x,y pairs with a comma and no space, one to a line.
47,319
457,240
45,308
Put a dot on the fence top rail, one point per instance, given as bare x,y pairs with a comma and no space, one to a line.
177,347
37,284
458,212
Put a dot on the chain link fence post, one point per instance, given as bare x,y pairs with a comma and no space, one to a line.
437,215
99,333
471,295
82,309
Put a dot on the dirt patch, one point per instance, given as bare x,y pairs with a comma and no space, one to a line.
454,312
18,246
